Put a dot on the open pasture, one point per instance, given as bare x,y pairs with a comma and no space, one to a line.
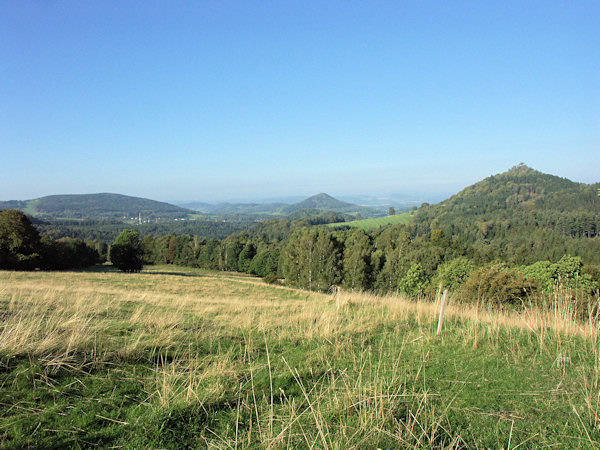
374,223
174,357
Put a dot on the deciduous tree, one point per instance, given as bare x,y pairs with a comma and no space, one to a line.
19,241
127,252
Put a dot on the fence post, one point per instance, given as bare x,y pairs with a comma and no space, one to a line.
442,308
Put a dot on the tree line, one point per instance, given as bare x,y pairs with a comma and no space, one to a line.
301,253
108,230
22,247
391,259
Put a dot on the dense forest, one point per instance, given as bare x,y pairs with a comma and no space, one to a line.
514,233
520,216
390,259
506,237
108,230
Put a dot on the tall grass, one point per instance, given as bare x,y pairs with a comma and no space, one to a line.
229,362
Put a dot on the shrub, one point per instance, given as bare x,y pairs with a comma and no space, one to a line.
497,285
571,275
544,273
271,279
567,273
452,274
593,272
415,281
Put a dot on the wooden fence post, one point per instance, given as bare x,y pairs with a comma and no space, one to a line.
442,308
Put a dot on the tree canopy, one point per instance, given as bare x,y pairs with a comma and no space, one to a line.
127,252
19,241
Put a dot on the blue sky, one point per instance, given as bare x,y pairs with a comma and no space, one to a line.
213,100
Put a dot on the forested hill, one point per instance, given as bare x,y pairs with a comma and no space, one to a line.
324,202
97,206
516,209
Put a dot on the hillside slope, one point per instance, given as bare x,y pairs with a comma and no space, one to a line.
519,207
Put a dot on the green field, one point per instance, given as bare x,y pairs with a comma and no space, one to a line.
370,224
174,358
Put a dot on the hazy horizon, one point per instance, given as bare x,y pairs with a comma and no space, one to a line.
436,193
408,196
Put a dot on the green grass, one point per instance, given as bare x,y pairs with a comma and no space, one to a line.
177,357
369,224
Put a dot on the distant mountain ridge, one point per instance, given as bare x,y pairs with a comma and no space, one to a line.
519,197
97,206
317,203
117,206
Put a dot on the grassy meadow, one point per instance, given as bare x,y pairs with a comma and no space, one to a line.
175,357
374,223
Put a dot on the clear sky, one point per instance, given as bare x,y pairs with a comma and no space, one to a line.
209,100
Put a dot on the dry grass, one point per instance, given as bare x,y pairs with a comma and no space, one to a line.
61,311
81,317
560,318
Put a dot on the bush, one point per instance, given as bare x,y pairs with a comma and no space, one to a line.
593,272
497,285
544,273
452,274
567,273
271,279
571,275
